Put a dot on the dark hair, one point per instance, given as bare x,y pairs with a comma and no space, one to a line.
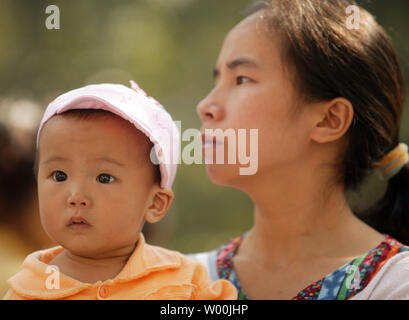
360,65
86,114
16,182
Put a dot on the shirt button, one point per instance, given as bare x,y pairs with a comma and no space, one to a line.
103,291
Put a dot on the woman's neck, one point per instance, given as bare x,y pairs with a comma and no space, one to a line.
301,221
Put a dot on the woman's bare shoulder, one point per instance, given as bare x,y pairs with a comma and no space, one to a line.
391,282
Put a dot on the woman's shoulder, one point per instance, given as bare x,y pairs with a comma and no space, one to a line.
217,260
364,277
356,276
391,282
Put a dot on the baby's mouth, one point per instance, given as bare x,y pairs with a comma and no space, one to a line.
78,223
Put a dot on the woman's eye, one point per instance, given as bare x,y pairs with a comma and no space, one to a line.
105,178
59,176
242,79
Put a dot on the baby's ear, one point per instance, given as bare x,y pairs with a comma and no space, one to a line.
160,203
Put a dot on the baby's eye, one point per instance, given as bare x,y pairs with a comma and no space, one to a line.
105,178
59,176
242,79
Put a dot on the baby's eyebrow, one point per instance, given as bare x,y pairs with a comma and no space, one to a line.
106,159
54,159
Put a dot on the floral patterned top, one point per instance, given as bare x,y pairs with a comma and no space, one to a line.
342,284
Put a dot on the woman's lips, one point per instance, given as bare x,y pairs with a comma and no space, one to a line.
210,141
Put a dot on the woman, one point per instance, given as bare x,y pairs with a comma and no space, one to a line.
327,101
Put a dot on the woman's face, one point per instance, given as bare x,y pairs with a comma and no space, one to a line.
252,91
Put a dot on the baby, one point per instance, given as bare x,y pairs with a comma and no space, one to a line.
97,185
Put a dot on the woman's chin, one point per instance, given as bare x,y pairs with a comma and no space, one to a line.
223,175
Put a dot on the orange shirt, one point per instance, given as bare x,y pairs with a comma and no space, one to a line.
151,273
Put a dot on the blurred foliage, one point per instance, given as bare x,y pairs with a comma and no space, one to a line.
169,47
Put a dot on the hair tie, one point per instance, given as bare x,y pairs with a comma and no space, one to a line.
393,162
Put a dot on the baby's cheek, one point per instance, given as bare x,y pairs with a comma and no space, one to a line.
48,223
50,214
118,232
128,221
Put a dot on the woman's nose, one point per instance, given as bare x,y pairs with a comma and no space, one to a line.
207,109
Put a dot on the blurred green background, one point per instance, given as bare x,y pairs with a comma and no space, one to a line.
169,47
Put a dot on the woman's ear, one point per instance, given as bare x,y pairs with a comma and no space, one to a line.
332,121
160,203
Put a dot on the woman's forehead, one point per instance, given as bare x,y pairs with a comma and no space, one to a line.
250,38
251,25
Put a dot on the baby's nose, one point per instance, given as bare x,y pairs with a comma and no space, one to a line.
78,200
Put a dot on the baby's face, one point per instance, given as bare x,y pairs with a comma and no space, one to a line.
95,183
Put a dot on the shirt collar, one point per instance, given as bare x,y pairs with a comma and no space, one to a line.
31,281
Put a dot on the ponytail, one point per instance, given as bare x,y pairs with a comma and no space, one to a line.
390,215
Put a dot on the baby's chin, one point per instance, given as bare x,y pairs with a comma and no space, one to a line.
97,252
81,247
94,245
81,251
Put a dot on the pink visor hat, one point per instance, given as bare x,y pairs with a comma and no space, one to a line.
134,105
